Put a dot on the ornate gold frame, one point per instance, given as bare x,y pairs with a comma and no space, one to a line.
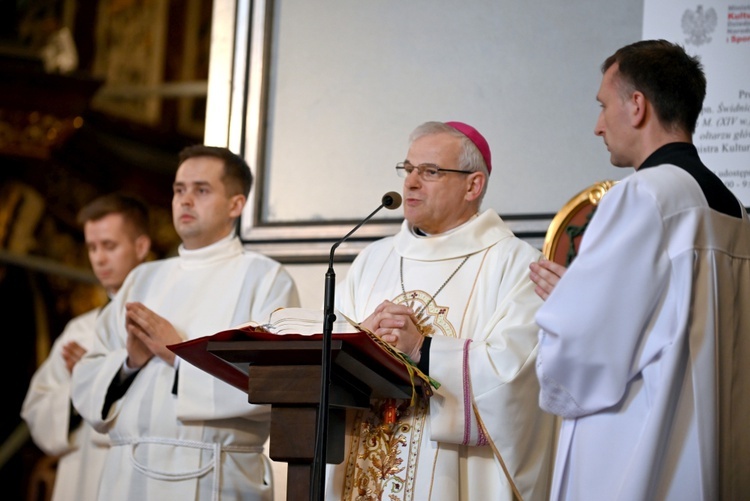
578,207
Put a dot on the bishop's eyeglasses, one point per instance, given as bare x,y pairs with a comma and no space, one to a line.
428,172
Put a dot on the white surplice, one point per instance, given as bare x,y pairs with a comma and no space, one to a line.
205,440
645,345
485,417
46,410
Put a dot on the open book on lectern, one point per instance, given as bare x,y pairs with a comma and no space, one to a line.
305,321
228,354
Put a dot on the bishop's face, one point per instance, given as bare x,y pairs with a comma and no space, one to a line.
440,205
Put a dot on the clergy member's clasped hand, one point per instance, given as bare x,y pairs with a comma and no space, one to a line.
545,274
72,352
395,324
138,352
154,331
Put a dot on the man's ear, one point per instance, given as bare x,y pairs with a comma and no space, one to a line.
142,246
236,204
638,105
475,185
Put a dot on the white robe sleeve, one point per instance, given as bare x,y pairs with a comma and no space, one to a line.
94,373
46,408
592,322
491,372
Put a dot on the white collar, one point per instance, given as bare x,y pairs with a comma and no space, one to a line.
476,234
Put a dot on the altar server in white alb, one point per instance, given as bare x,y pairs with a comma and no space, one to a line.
452,291
115,229
645,340
176,431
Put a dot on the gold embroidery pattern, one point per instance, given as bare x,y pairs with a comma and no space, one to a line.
383,459
434,318
418,423
384,467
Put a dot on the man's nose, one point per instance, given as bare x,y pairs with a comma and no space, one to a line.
186,199
598,127
97,255
412,179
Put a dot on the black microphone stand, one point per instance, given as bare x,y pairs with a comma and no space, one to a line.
317,485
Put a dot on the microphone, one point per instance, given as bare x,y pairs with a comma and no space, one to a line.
391,201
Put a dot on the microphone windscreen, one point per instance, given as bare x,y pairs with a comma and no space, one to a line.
391,200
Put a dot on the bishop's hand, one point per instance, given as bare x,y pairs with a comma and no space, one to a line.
396,325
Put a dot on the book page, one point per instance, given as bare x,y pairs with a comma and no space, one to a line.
306,321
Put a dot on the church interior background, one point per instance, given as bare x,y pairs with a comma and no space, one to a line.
95,96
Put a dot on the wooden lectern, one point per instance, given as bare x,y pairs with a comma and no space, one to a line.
284,371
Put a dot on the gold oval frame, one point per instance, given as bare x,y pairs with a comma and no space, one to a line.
577,209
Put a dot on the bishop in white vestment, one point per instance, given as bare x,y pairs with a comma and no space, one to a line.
482,435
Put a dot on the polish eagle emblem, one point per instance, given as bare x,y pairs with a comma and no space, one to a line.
698,24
